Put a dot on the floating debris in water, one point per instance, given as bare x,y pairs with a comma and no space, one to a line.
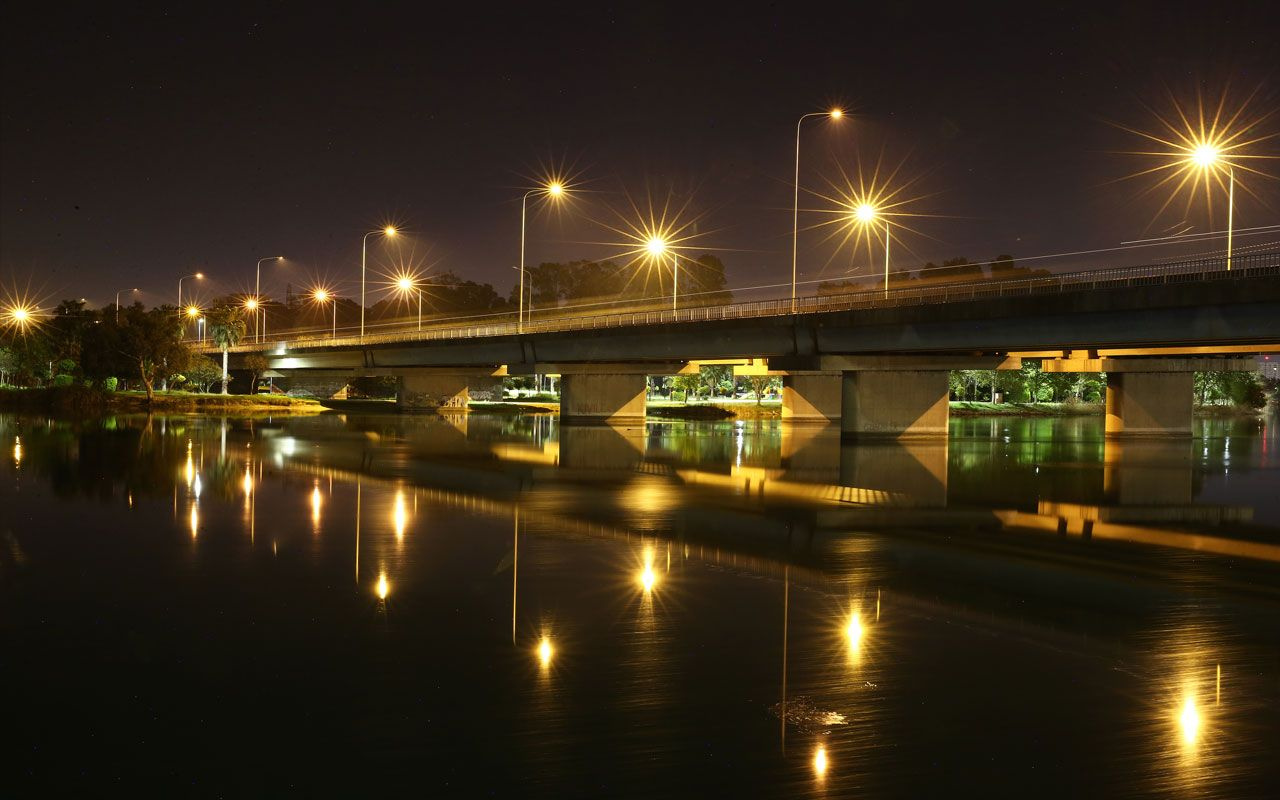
806,717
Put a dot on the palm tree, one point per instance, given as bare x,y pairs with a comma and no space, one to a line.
226,328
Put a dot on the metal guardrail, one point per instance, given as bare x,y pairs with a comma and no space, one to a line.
1252,265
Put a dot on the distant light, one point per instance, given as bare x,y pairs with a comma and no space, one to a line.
383,587
404,283
555,188
199,276
20,314
399,515
1205,155
836,113
17,450
865,212
321,296
247,483
1190,721
193,311
251,303
656,246
195,522
316,501
545,652
820,761
389,230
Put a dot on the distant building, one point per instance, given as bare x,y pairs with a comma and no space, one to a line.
1269,366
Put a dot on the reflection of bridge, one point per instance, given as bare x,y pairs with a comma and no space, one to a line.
822,487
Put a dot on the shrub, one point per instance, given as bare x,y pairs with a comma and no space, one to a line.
63,380
110,384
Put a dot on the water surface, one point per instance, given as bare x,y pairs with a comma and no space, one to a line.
501,606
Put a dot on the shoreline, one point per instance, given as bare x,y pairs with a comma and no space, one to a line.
86,400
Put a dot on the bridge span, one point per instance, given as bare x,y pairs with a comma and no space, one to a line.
875,362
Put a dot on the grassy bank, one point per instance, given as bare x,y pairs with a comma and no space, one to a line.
972,408
78,399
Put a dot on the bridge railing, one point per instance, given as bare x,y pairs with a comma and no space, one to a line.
1206,269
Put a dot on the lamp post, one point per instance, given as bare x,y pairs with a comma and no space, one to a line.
388,231
122,291
1208,156
322,296
406,284
257,292
834,114
197,275
555,190
657,247
866,214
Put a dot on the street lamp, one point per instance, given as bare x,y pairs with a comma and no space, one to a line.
122,291
388,231
197,275
656,246
554,190
1208,156
866,214
834,114
257,292
193,313
323,296
406,284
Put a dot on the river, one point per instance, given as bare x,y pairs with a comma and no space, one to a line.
503,606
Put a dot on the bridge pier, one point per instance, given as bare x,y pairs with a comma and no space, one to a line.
895,403
811,396
603,397
1148,396
433,391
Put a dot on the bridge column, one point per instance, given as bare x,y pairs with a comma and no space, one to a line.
602,397
811,396
318,386
433,391
895,403
1148,396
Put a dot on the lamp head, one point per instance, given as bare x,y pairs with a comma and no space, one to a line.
320,295
836,113
555,189
656,246
404,283
193,311
390,230
251,303
1205,155
199,276
20,314
865,212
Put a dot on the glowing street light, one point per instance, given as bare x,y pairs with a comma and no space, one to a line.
866,214
122,291
323,296
194,312
555,190
657,247
388,232
406,284
1207,156
835,115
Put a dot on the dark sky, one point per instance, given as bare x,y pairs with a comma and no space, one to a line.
141,145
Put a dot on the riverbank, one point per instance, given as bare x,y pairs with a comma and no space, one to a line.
86,400
973,408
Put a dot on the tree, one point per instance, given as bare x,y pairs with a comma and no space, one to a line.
226,328
759,385
152,342
256,364
1003,268
1032,379
714,376
203,371
703,281
688,384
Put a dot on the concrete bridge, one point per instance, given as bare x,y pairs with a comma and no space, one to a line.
875,362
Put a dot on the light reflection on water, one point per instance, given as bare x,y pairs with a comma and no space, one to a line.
745,607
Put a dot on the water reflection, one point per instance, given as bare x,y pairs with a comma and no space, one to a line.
1071,586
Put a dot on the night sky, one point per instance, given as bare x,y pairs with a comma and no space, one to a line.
140,146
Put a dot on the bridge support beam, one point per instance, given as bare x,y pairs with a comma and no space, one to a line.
894,403
811,397
616,398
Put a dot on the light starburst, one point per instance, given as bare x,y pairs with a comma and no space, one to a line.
1193,149
651,237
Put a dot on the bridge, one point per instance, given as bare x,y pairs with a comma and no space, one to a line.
876,362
